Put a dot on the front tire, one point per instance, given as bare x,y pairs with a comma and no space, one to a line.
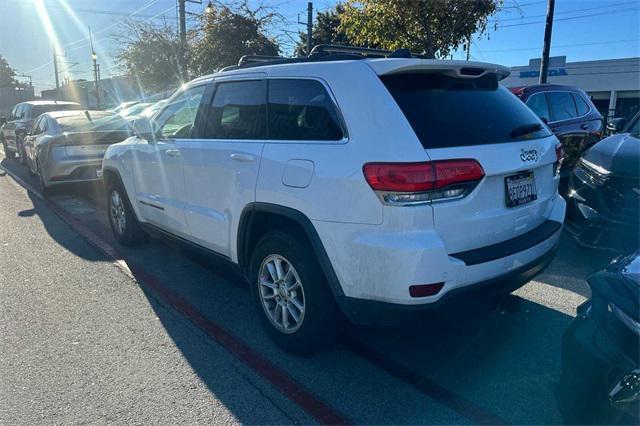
124,224
292,297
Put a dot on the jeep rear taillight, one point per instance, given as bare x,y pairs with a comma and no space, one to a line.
418,183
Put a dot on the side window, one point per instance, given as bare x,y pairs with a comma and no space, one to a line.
14,113
301,110
26,110
581,105
238,111
18,114
176,120
36,128
538,104
562,106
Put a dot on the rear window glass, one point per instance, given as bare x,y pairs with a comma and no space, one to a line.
41,109
96,121
446,111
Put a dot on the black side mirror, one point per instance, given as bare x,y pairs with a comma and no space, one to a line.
3,120
616,125
144,129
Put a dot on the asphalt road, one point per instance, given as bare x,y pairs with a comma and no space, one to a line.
176,338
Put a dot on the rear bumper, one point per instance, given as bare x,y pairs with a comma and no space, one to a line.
71,171
361,311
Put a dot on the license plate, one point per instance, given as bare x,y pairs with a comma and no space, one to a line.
520,189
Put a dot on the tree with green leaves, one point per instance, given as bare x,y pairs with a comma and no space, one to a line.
325,31
149,52
228,34
431,27
7,74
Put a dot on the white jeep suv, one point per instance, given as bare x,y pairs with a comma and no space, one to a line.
346,186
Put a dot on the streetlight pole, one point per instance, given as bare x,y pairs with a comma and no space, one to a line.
96,70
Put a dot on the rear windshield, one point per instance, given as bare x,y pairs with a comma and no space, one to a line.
96,121
446,111
41,109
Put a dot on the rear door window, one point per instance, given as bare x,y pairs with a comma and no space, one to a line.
538,104
447,111
581,105
562,106
238,111
301,110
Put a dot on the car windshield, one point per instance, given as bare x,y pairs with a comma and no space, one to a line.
137,109
93,121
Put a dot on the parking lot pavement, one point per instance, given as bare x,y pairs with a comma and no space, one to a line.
479,366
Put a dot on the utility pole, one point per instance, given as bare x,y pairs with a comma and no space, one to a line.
544,63
468,48
309,27
55,68
96,70
182,29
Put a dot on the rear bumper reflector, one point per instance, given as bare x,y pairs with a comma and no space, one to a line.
424,290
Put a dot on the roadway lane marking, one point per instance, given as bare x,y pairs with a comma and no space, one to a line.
280,380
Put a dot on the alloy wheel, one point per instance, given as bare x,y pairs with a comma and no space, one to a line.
281,293
117,213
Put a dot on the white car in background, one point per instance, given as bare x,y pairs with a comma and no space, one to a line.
347,186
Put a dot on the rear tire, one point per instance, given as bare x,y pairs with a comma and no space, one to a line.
44,189
287,282
124,224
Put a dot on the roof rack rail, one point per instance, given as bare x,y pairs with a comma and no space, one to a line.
323,52
323,49
249,59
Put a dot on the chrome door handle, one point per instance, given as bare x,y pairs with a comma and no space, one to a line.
242,157
173,153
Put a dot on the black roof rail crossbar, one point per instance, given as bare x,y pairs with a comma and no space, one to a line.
320,53
366,51
248,59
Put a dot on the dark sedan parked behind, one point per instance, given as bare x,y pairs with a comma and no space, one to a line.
68,146
22,116
603,204
570,114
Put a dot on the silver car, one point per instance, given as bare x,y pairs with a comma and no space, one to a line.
68,146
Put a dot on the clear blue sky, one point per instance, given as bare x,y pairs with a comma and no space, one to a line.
583,30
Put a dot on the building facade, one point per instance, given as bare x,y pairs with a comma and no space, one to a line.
613,84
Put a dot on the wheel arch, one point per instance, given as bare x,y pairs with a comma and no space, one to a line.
110,173
258,218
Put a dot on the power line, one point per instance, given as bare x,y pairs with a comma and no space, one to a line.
566,12
564,45
612,12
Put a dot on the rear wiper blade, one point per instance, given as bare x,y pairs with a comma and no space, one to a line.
525,129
